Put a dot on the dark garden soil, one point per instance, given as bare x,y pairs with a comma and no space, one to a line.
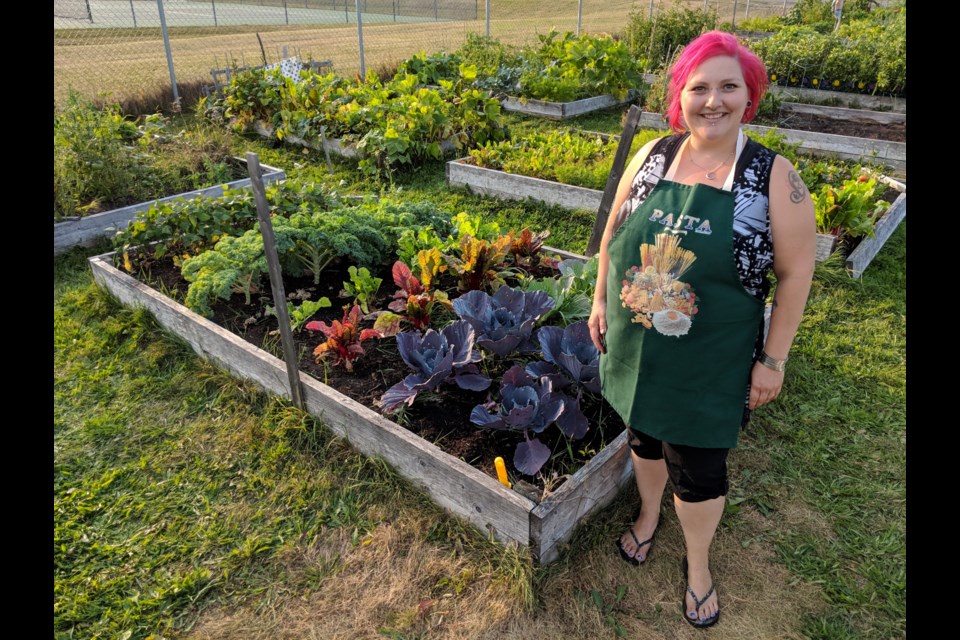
440,417
896,132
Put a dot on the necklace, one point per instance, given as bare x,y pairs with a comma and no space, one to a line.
711,174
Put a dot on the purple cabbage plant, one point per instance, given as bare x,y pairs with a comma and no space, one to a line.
570,361
527,405
436,358
504,321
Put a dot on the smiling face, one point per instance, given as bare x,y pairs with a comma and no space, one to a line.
714,99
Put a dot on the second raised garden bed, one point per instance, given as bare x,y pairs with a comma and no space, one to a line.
87,230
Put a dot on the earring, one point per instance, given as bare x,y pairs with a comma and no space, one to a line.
749,103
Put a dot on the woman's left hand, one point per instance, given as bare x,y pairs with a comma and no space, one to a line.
765,385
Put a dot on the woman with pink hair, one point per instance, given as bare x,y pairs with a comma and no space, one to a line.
700,219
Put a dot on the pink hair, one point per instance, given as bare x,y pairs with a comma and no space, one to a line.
702,48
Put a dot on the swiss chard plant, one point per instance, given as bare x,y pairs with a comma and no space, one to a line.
344,339
480,264
851,209
504,322
414,299
435,358
300,314
362,287
528,405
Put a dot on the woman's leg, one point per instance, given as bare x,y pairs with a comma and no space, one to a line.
699,522
699,477
651,477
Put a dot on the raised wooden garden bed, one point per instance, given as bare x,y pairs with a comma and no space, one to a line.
560,110
893,154
844,113
452,483
500,184
86,230
854,100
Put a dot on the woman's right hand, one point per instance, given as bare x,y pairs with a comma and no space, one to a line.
598,325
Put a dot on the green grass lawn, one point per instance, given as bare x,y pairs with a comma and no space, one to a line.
190,504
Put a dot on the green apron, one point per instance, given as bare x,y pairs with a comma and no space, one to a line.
681,328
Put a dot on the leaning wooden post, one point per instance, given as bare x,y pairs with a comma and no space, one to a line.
276,281
610,192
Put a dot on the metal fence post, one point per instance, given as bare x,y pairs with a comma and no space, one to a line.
89,13
436,13
213,3
746,13
733,21
363,69
166,45
579,15
286,16
488,19
134,14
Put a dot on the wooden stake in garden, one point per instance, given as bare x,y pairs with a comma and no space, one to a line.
276,281
610,192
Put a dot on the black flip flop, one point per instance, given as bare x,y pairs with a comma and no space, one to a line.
698,602
640,545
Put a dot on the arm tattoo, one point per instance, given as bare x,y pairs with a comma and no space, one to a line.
798,189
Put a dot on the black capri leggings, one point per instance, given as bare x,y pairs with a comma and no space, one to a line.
697,473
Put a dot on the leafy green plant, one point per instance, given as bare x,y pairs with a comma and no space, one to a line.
299,314
104,160
480,263
656,41
362,287
234,265
182,228
851,209
567,67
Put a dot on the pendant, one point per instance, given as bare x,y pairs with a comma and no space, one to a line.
710,176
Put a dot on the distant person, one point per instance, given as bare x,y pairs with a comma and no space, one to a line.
837,12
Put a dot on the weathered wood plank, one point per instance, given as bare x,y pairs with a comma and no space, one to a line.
826,243
559,110
842,113
591,488
86,230
515,187
867,250
207,339
452,483
858,100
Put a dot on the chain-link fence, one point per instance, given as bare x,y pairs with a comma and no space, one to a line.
117,49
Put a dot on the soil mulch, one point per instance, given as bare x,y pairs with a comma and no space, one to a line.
440,417
895,132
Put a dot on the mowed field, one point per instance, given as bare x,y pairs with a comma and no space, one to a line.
130,62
